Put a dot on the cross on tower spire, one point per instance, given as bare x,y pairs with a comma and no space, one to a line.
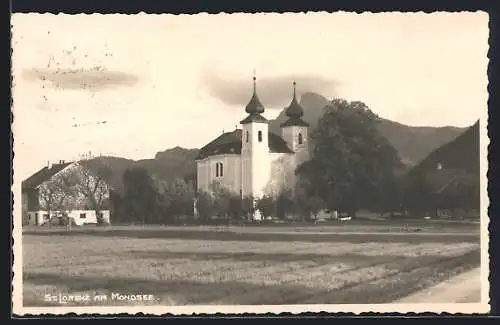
254,81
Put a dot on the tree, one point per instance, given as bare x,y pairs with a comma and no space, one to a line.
266,205
204,206
351,160
140,195
308,205
56,194
285,204
175,199
90,182
247,207
222,200
235,207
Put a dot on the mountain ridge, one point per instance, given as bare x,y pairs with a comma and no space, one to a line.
413,144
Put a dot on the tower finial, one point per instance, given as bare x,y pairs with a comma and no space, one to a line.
294,86
254,106
254,81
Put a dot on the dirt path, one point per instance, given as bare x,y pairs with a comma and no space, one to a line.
463,288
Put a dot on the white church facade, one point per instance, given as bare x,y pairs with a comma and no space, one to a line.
251,160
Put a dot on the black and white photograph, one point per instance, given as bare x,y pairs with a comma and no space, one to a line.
250,163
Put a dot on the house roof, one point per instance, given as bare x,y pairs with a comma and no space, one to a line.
95,166
230,143
444,180
43,175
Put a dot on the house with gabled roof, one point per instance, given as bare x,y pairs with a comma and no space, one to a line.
454,189
78,190
252,161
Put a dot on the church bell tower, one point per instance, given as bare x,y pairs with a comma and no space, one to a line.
294,132
255,161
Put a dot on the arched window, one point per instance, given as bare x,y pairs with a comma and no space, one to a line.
300,138
259,135
246,136
216,169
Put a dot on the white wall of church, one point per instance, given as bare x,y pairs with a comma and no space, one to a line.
231,172
281,173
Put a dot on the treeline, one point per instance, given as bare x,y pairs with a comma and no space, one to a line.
352,167
146,200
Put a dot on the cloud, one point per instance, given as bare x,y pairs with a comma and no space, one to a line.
93,79
274,92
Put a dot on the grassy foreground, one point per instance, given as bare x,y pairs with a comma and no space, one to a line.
207,265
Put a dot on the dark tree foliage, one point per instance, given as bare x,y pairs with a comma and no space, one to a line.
307,206
140,196
205,206
174,199
266,205
285,204
352,164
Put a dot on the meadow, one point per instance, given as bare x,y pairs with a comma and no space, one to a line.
243,265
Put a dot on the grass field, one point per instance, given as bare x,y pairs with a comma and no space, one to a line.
261,265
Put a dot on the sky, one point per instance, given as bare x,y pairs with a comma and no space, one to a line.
133,85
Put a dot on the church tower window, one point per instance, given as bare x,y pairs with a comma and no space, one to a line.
301,140
246,136
259,135
216,169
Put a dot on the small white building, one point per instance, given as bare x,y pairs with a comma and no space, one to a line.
253,161
49,193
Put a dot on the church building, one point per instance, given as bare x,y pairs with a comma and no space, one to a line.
251,160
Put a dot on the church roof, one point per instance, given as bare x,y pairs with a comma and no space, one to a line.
294,121
254,118
230,143
294,112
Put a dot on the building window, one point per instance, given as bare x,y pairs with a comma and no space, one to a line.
300,138
36,215
260,136
82,216
246,135
219,170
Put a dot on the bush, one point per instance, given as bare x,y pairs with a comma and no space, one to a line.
62,221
